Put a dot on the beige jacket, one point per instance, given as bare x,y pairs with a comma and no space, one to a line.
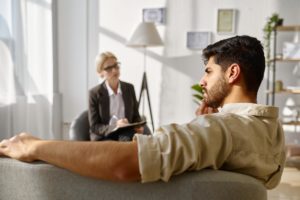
243,137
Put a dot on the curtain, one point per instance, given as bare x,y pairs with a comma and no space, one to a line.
28,102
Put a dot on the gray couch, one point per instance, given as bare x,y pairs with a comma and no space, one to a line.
41,181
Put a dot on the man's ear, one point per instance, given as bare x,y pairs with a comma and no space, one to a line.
233,73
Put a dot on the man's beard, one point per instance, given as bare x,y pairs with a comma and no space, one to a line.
216,95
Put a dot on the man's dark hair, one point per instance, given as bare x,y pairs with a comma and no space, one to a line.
245,51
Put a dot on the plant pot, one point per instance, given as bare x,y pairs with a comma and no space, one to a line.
279,22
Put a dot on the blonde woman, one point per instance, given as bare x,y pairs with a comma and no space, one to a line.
112,103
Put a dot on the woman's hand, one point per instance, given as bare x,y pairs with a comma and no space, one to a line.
139,129
122,122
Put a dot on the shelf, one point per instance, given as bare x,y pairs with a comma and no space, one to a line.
278,59
285,60
293,123
288,28
286,91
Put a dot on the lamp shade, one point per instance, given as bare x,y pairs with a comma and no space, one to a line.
144,36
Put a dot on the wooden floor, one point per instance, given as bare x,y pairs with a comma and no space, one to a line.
289,187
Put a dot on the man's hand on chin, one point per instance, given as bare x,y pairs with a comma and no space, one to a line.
20,147
205,109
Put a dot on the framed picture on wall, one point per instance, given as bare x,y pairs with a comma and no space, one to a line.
155,15
226,21
198,40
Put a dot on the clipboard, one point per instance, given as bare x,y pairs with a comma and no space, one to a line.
127,126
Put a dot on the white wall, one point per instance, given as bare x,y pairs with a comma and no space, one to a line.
172,69
117,21
72,56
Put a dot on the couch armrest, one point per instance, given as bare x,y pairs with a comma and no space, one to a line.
39,181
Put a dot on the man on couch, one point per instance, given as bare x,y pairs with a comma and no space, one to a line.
242,136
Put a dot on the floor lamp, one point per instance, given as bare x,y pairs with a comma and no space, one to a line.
145,36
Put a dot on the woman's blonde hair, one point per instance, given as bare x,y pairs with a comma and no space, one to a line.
101,58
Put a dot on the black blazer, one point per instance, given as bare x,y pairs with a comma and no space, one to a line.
99,109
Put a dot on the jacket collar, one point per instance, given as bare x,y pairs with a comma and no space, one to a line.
250,109
110,90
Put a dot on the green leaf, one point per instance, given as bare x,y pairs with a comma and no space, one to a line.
271,24
198,96
197,88
197,102
199,93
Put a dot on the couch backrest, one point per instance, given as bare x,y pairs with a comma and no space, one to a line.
41,181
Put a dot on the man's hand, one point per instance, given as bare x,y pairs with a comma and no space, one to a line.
204,109
20,147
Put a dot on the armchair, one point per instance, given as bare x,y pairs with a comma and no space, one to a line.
79,129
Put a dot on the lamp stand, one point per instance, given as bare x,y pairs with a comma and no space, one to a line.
144,88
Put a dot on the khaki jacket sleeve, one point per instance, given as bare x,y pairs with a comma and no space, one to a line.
173,149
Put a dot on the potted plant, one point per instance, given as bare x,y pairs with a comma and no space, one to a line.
270,26
199,93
